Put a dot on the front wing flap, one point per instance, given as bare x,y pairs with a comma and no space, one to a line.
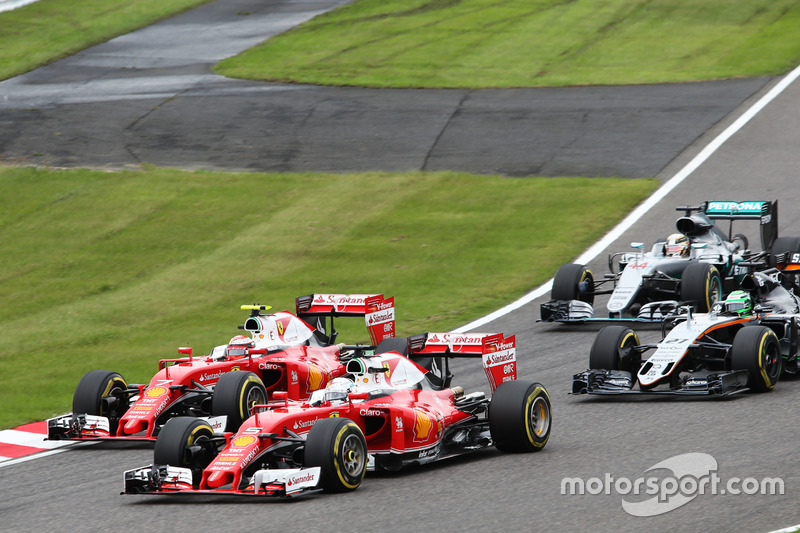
578,311
78,427
165,479
611,382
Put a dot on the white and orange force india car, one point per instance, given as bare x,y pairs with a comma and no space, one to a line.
650,285
716,353
281,353
388,413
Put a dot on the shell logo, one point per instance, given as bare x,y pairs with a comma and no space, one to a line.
155,392
243,441
422,426
314,377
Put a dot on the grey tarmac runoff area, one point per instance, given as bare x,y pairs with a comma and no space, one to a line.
134,100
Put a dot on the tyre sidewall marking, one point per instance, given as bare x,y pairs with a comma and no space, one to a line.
532,437
337,454
761,355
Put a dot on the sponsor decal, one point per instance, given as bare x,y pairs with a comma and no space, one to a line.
250,456
294,376
210,377
497,359
424,424
143,408
455,338
155,392
302,424
243,441
398,423
314,377
734,207
370,412
226,459
269,366
334,414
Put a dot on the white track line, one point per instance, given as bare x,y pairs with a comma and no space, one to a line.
644,207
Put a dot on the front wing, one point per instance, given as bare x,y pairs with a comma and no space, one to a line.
610,382
278,482
576,311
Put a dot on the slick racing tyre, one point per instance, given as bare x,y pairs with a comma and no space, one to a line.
757,350
701,286
520,417
614,348
234,396
184,442
573,282
101,393
338,447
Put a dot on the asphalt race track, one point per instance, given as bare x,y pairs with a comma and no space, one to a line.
629,131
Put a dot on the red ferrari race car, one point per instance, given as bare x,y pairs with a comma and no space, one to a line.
386,413
283,352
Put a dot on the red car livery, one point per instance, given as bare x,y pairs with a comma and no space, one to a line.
387,412
281,353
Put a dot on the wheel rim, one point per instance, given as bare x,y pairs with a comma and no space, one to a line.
254,397
771,358
540,417
353,456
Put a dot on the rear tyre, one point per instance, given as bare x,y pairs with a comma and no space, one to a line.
183,442
234,396
701,286
757,350
614,348
520,417
573,282
101,393
338,447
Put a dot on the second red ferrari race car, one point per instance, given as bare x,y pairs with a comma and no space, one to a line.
386,413
283,352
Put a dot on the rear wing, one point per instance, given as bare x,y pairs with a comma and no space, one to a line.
378,312
764,211
497,352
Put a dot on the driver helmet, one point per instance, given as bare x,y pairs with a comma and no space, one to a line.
739,303
238,346
677,245
338,389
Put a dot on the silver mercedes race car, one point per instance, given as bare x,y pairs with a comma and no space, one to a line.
695,266
744,343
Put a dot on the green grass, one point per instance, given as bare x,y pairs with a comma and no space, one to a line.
527,43
47,30
465,44
116,270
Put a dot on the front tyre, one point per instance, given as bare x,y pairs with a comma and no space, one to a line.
101,393
235,394
573,282
701,286
520,417
338,447
757,350
614,348
184,442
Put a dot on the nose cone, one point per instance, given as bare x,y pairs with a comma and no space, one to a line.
218,479
132,427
